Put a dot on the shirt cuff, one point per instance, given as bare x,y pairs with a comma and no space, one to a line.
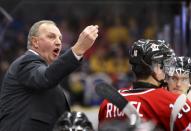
78,57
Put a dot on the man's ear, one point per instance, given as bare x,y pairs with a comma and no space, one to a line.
34,42
155,67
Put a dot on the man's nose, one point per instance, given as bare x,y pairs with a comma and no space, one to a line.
58,42
179,83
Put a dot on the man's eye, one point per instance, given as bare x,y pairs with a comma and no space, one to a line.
174,78
185,79
51,36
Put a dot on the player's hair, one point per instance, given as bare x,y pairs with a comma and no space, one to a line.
34,30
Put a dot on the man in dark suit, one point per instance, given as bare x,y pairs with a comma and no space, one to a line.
30,99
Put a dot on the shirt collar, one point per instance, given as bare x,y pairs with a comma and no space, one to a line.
145,85
33,51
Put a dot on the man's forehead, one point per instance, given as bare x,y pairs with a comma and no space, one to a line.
49,28
183,75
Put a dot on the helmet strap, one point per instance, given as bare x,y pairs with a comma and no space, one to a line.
153,74
162,82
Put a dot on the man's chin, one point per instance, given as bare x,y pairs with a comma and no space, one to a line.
177,91
54,58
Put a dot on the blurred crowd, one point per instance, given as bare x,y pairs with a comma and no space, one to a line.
119,24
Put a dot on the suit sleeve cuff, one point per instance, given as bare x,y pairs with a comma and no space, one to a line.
78,57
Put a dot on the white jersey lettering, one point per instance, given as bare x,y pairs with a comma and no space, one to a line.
185,109
113,111
109,110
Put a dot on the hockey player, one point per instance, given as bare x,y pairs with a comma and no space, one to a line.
152,101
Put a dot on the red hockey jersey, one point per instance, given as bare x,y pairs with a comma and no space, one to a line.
152,104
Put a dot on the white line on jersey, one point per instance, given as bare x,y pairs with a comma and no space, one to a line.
123,93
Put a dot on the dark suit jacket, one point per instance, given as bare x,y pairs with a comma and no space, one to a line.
30,99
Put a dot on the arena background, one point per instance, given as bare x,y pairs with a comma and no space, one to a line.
120,23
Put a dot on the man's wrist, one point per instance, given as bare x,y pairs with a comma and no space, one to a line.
78,56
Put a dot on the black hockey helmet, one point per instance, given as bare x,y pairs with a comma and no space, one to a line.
73,121
180,65
147,51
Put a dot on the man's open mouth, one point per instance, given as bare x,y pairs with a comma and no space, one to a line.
56,51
